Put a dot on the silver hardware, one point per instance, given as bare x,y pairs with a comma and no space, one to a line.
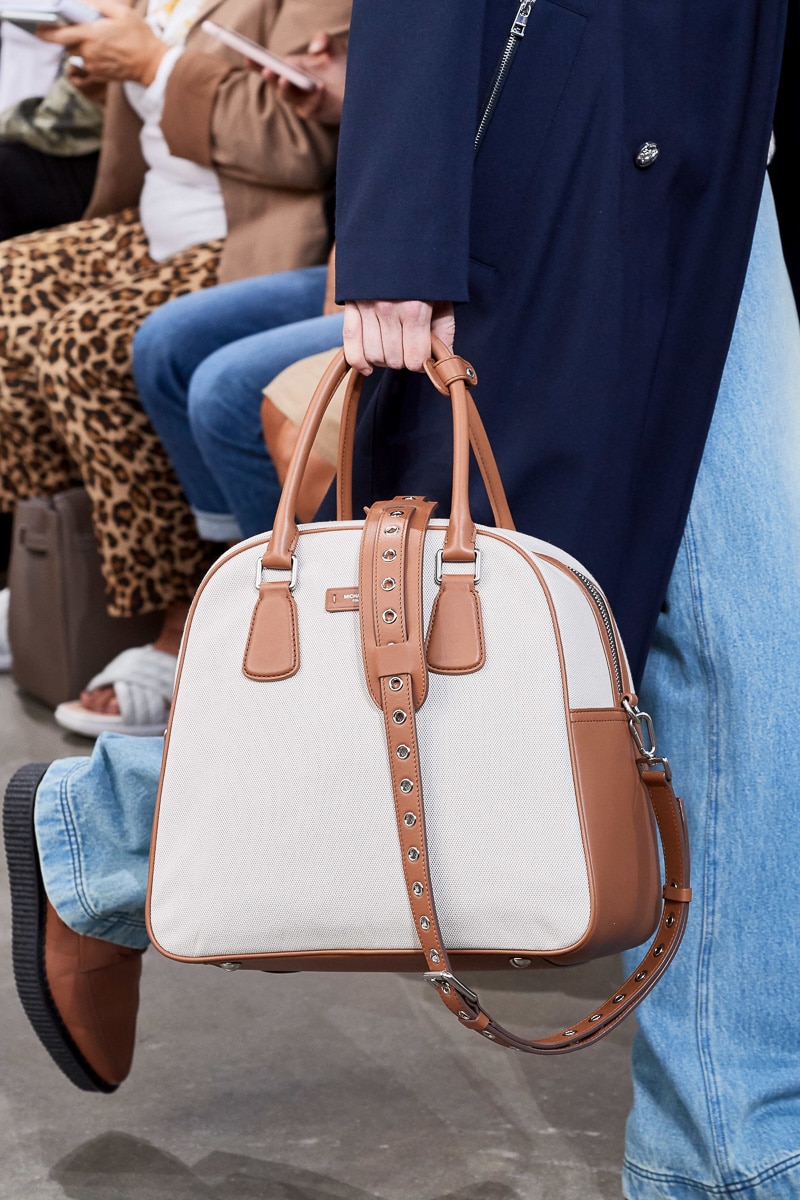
399,717
389,616
230,966
659,950
470,373
434,956
618,998
409,819
392,529
397,512
515,36
641,726
605,617
569,1032
438,979
409,497
639,976
417,889
389,555
491,1036
463,1016
670,921
520,963
646,155
596,1017
395,683
424,923
437,572
389,584
260,568
403,752
412,854
406,786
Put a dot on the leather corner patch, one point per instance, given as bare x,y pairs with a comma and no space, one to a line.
344,599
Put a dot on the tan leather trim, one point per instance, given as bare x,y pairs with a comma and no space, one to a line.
447,371
455,643
272,651
280,435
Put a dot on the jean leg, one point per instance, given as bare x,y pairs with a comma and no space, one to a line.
175,340
717,1057
93,819
225,414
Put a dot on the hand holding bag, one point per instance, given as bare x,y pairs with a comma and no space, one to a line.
404,743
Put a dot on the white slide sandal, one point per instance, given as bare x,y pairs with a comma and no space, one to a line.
143,680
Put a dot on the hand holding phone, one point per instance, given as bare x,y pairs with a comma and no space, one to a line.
259,54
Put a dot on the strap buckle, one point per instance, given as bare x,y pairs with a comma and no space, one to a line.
447,982
437,573
260,568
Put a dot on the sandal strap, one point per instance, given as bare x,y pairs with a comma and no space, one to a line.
143,679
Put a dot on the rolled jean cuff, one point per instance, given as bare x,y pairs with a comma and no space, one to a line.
217,527
93,820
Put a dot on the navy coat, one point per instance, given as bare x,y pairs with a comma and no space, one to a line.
596,298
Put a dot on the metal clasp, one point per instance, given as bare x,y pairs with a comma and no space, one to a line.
641,726
447,981
437,574
261,568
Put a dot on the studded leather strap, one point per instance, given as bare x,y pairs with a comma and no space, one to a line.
391,640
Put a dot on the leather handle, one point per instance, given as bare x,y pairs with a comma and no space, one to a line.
467,428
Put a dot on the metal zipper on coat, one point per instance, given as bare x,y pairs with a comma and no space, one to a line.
516,34
605,615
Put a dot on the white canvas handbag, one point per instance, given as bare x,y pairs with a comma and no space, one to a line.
405,743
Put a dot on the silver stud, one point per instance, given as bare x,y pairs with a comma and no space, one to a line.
412,854
639,976
403,752
389,616
570,1032
397,512
399,717
395,683
470,373
596,1017
620,996
435,958
659,950
417,889
424,923
520,963
444,988
646,155
406,786
230,966
389,555
670,921
392,529
389,584
464,1016
409,819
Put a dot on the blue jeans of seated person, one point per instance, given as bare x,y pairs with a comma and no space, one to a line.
717,1061
200,368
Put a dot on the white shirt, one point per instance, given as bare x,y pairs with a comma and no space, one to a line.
28,65
181,202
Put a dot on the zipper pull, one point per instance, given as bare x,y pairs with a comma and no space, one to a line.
518,28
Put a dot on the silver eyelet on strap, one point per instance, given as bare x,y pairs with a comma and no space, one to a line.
570,1032
389,616
596,1017
397,512
417,889
399,717
491,1036
620,996
436,957
639,976
424,923
463,1016
230,966
520,963
412,854
406,786
389,555
388,584
659,950
395,683
409,819
670,921
403,752
390,529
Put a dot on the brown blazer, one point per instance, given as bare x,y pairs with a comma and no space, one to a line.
272,165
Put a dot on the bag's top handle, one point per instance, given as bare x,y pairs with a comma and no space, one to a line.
449,374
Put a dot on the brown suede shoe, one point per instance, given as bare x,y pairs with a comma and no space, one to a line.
80,994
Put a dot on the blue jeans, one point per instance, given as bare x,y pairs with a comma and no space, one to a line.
717,1059
200,363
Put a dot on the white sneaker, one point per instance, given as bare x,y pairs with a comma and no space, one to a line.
5,647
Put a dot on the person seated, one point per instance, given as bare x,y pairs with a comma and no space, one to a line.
49,149
207,174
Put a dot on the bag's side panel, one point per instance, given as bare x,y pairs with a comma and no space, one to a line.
590,680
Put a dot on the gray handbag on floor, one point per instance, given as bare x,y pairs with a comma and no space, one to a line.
60,632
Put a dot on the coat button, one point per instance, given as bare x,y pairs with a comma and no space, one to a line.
646,155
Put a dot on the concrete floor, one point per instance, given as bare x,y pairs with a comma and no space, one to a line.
254,1087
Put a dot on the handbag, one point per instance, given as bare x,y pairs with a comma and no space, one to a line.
405,743
59,630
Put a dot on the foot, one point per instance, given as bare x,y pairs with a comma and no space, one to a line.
80,994
104,699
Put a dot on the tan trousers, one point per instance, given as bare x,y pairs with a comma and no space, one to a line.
71,300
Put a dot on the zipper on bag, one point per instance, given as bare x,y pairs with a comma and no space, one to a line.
515,36
601,606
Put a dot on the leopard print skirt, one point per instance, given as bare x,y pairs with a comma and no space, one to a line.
71,300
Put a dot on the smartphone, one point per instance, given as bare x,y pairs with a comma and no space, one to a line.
259,54
54,12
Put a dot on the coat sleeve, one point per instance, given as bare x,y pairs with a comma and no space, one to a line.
406,150
225,116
